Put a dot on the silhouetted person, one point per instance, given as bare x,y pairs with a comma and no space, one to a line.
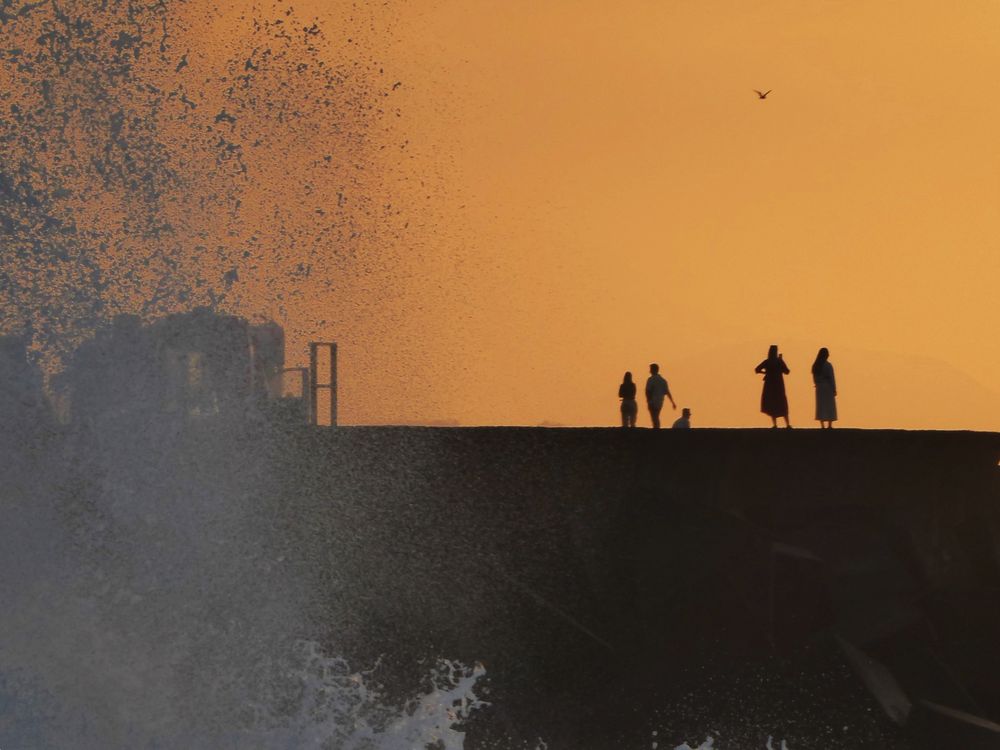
826,389
683,422
773,400
656,390
629,408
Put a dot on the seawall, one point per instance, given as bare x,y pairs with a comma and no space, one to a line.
657,562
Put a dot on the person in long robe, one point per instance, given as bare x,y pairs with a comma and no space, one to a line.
826,389
773,400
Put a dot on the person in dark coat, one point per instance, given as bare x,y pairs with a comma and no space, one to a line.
773,400
629,408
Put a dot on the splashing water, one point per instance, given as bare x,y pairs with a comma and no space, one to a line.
149,610
338,709
709,744
148,166
326,706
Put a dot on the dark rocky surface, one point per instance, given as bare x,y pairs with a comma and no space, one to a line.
833,589
684,579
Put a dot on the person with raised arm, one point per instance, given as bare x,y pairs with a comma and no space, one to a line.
773,400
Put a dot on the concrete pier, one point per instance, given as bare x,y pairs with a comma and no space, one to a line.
587,557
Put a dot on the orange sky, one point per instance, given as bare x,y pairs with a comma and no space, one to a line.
602,189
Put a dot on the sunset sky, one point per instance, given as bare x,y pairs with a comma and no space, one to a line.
568,189
612,193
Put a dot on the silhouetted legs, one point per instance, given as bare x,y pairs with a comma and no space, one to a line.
629,411
654,414
774,422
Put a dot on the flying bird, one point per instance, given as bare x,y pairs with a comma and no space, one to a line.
762,95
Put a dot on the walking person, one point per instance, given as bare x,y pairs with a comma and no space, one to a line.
656,390
773,400
826,389
629,408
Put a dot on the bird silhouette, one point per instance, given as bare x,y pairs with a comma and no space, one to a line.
762,95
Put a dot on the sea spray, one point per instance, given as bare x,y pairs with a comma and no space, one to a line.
336,707
709,744
149,602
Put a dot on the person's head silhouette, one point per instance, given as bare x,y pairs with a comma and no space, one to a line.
822,357
686,413
772,352
627,378
654,368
